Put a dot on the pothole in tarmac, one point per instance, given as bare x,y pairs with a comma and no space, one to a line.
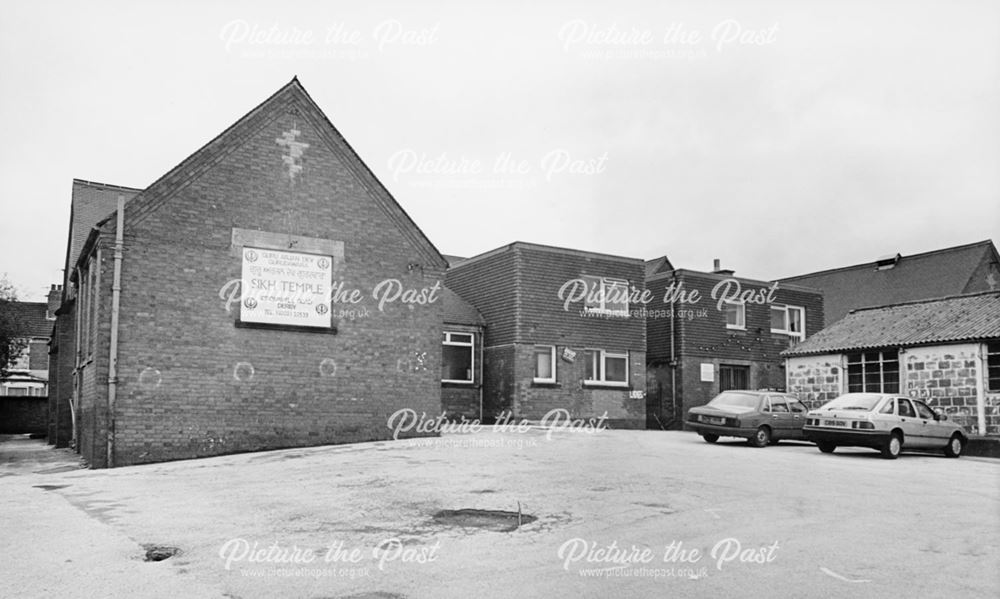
494,520
158,553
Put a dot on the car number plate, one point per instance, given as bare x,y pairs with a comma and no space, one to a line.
714,419
834,423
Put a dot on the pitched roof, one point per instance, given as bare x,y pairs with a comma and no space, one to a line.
658,265
935,274
458,311
28,318
92,202
971,317
292,97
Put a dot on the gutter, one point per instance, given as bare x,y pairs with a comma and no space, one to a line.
116,287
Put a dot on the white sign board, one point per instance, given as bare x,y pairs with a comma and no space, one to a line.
286,288
707,373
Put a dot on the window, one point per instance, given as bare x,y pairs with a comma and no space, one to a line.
778,405
873,372
606,296
788,320
545,364
458,358
923,411
733,377
605,367
796,406
736,315
906,409
993,366
889,407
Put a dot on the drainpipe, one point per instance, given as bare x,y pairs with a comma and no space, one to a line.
482,371
673,362
116,287
74,399
980,390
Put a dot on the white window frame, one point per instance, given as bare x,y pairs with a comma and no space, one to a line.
742,315
786,309
552,363
472,352
599,361
601,306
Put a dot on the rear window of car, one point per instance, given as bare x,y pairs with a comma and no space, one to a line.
854,401
743,400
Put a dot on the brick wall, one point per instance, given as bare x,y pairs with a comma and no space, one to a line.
530,400
815,380
60,424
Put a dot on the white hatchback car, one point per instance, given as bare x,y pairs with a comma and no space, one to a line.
884,422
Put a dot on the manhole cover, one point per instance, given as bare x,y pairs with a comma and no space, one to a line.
158,553
495,520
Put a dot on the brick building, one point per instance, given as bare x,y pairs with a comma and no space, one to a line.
272,294
945,351
896,278
561,333
90,203
709,332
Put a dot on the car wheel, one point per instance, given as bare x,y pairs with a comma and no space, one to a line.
954,447
709,437
893,446
761,438
827,447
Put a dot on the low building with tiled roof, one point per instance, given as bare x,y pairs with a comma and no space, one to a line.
895,278
945,351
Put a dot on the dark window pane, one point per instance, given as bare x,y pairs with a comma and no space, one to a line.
456,363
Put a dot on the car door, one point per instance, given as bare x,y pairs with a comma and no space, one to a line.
798,411
913,431
935,434
781,417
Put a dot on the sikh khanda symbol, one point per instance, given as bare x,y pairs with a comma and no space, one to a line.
295,151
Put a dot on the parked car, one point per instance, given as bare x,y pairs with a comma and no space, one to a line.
882,421
761,417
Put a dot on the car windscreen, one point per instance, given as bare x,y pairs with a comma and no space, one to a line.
854,401
737,400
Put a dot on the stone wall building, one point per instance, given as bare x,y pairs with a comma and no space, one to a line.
944,351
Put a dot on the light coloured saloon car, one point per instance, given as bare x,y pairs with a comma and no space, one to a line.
885,422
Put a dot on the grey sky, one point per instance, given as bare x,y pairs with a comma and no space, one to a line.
835,132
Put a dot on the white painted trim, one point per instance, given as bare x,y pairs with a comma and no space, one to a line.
472,351
982,371
552,362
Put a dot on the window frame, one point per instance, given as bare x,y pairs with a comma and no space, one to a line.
786,309
865,372
601,307
599,365
552,364
742,315
992,364
447,341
